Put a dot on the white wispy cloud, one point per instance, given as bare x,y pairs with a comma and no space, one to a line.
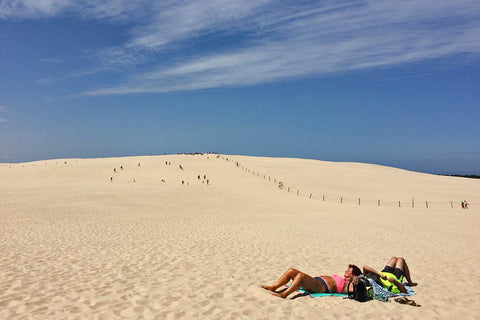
113,10
241,43
300,41
175,22
31,8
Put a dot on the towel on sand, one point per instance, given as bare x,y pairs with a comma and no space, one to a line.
319,294
380,293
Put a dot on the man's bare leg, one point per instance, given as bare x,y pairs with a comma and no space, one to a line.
402,265
392,263
290,274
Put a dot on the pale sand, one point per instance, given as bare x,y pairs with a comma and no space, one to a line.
76,246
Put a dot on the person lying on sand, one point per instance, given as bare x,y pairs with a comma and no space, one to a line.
322,284
391,276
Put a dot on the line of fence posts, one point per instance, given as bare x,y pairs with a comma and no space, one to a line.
341,198
378,201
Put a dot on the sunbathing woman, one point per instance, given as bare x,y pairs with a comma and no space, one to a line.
391,276
323,284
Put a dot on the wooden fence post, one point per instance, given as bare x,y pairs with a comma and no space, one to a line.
341,200
426,204
358,201
399,204
310,196
379,202
413,203
298,192
323,198
451,204
288,189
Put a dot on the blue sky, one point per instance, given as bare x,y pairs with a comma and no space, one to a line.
395,83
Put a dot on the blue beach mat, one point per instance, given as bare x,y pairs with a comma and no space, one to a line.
315,295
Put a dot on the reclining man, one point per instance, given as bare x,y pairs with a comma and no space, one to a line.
391,276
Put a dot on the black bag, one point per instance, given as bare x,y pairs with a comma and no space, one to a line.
362,291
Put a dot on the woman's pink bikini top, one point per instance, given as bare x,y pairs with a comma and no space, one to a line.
340,281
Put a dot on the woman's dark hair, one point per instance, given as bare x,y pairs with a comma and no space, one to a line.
356,270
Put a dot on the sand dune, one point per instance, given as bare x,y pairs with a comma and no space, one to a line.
77,244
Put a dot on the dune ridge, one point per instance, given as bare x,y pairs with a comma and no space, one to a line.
78,245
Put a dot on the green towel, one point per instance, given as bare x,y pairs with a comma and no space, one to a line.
319,294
